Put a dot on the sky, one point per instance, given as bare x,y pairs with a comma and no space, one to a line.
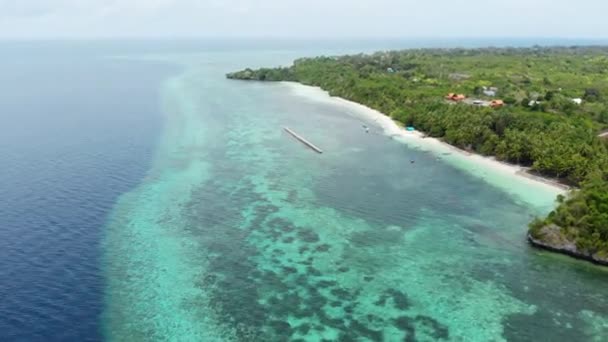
303,18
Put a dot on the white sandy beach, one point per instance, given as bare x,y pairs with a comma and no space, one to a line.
512,178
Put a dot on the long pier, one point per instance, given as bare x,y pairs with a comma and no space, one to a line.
302,140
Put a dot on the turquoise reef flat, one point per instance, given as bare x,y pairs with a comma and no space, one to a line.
240,233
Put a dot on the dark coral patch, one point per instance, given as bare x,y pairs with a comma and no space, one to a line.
437,330
288,228
323,248
326,283
406,324
275,234
313,271
304,328
341,294
291,300
308,236
331,322
289,270
382,300
349,309
400,299
273,301
301,281
362,330
282,328
347,336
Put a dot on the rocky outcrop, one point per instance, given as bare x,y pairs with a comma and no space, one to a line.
553,239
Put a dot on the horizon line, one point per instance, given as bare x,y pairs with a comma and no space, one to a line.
299,38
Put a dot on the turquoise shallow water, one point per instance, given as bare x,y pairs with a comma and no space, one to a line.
239,233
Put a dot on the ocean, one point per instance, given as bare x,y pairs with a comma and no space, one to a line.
144,197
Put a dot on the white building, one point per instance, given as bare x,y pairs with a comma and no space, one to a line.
490,91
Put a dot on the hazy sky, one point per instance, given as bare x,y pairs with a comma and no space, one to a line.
303,18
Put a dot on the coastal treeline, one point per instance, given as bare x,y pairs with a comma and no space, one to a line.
550,108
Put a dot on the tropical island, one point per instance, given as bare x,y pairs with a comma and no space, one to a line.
545,108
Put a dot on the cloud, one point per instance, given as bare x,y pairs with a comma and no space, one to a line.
302,18
16,8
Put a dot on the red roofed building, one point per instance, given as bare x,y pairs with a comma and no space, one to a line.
497,103
455,97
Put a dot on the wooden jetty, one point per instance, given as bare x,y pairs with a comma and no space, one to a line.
302,140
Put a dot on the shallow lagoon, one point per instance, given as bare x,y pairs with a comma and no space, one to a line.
239,232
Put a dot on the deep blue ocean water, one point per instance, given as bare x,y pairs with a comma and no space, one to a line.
76,131
80,127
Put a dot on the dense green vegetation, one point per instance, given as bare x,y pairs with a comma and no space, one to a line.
583,218
541,126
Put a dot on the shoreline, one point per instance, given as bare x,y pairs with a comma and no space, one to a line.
476,163
569,250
